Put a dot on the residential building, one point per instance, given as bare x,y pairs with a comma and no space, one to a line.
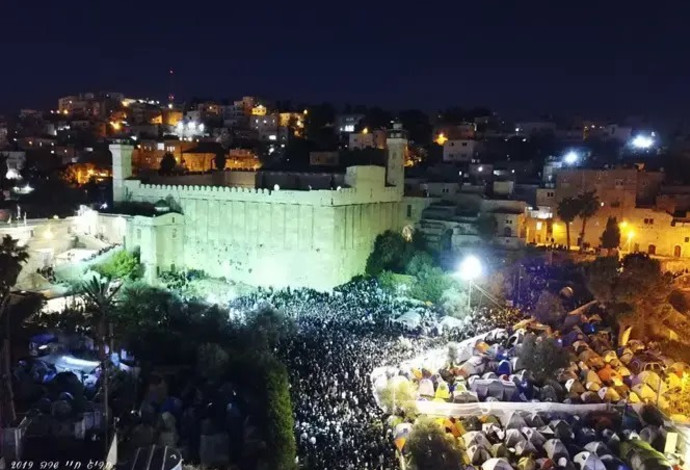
367,139
460,150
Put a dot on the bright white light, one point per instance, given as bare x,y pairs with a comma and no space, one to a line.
571,158
349,128
191,125
12,174
480,169
470,268
272,137
201,128
642,142
179,126
104,205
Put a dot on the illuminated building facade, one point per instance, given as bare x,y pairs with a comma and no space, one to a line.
275,236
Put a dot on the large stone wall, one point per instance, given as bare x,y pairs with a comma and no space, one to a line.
262,237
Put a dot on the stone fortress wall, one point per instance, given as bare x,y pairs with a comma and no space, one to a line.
311,238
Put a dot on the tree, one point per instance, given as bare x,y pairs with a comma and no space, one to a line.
600,277
549,309
543,356
12,259
568,208
99,293
431,448
430,283
390,252
122,265
611,237
212,361
588,205
219,161
168,164
487,226
280,436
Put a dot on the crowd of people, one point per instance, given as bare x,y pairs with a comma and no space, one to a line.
341,337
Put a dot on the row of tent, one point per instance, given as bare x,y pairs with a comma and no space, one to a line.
491,370
545,441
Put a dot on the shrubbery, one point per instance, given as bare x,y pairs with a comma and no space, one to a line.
122,265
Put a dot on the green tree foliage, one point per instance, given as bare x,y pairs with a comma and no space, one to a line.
12,259
168,164
600,276
279,423
212,361
122,265
543,356
267,327
549,309
454,301
391,252
568,208
588,205
611,237
487,226
219,161
430,283
636,292
431,448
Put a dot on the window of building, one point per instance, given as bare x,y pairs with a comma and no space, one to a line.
174,233
687,239
464,144
409,211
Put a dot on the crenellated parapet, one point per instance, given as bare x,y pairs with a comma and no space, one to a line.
321,197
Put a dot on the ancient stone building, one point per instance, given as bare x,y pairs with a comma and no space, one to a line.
272,236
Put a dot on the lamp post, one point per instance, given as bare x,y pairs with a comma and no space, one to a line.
470,269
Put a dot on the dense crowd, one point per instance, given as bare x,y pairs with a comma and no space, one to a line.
341,337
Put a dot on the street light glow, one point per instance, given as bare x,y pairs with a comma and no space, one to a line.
642,142
571,157
470,268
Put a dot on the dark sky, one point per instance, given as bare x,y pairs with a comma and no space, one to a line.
524,57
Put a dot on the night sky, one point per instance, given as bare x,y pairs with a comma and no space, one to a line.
524,58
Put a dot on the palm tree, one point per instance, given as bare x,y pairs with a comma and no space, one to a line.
99,293
12,257
589,204
568,208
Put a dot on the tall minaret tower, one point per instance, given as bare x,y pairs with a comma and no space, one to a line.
122,169
395,161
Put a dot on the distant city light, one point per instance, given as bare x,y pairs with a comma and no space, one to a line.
642,142
571,157
441,139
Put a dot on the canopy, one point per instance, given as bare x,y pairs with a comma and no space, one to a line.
588,461
426,388
555,449
496,464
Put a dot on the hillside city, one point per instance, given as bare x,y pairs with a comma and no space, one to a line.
264,284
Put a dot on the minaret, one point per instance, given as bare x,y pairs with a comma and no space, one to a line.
122,169
395,161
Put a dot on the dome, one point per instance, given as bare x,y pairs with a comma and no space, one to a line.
161,206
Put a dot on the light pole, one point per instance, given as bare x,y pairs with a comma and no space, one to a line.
470,269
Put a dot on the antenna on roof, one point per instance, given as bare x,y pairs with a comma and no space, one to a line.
171,93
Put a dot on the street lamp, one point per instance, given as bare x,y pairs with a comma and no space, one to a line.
642,142
470,269
571,157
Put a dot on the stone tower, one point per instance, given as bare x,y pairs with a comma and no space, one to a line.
395,161
122,169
